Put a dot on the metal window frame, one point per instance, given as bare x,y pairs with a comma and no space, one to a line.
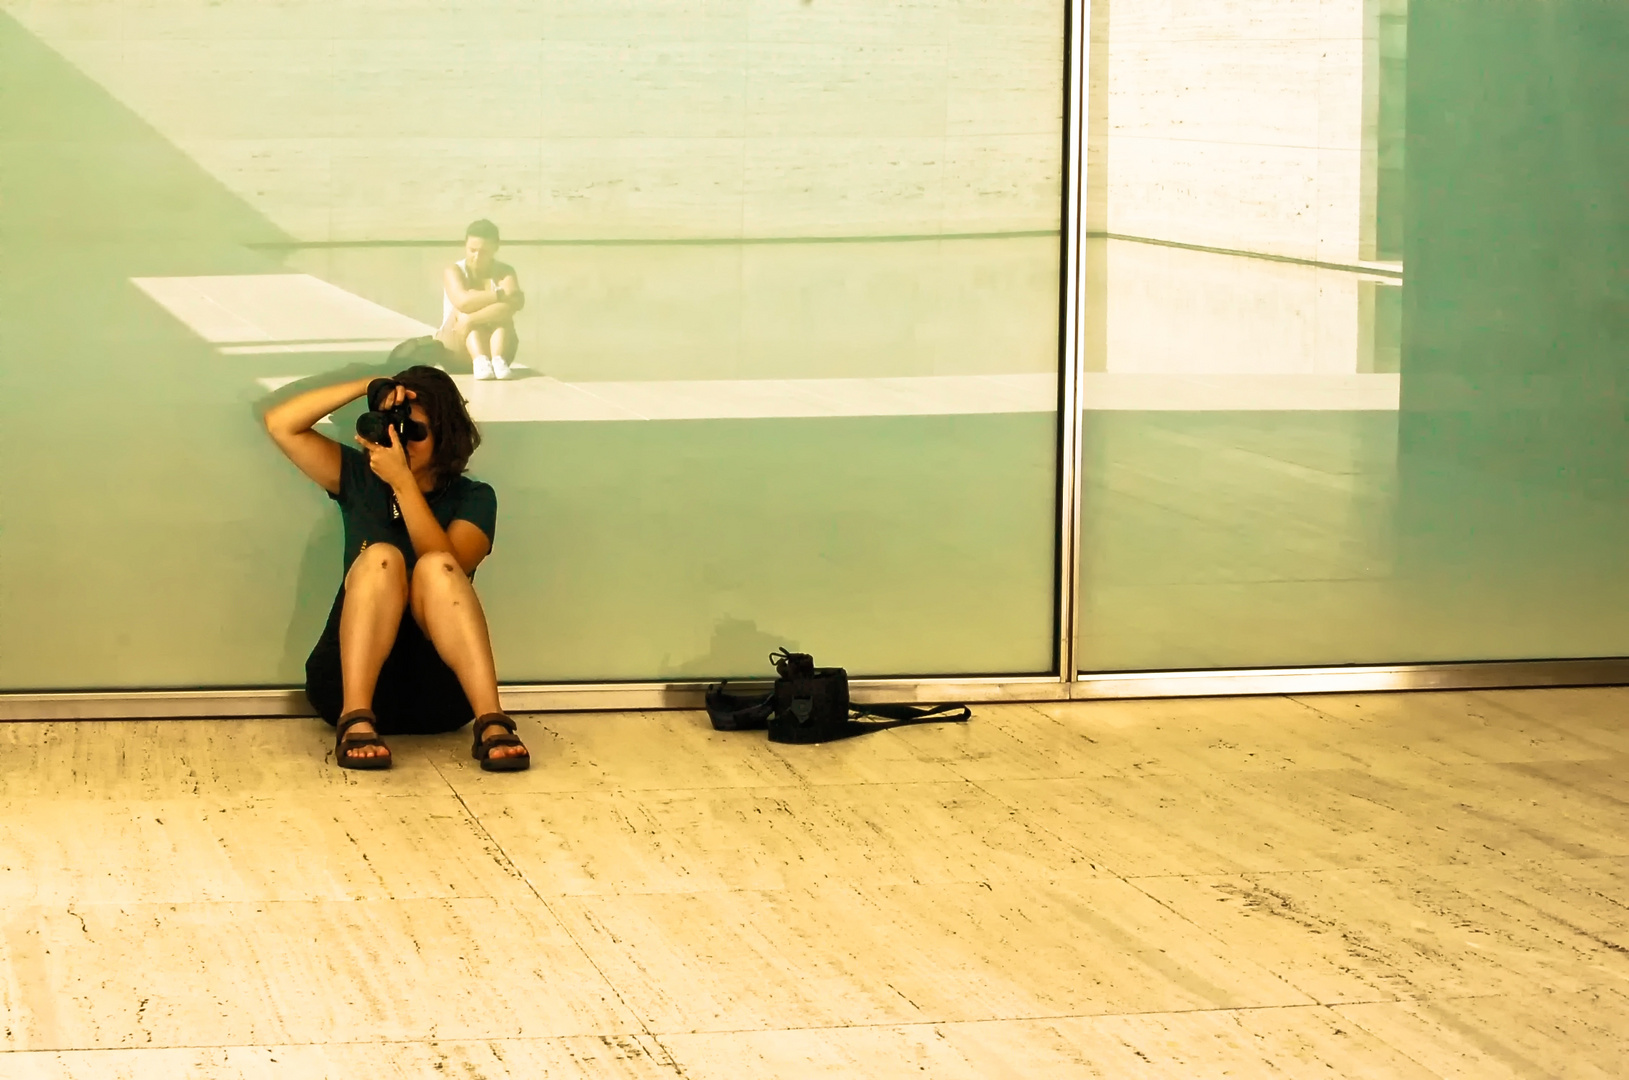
633,697
1065,683
1072,359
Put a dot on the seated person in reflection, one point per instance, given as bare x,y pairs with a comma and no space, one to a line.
480,298
406,648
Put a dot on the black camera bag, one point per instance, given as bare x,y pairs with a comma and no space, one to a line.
810,705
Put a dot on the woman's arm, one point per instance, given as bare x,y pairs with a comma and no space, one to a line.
463,297
464,541
289,424
492,315
510,284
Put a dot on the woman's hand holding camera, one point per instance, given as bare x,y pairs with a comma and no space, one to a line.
389,463
396,395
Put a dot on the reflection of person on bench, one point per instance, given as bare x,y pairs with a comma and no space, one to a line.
478,310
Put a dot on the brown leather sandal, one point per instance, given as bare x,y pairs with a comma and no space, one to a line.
481,750
344,746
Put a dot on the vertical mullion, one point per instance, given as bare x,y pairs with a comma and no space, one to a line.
1071,354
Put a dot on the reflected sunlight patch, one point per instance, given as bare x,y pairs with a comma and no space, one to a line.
279,313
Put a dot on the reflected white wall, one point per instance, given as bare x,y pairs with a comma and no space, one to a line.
1190,312
1244,126
1236,124
1195,330
583,118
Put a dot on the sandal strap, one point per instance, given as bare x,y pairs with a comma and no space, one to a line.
484,722
350,720
362,740
483,745
345,744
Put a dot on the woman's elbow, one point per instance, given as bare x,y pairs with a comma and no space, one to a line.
281,431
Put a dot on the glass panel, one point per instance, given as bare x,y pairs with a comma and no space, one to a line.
1301,448
1514,496
788,357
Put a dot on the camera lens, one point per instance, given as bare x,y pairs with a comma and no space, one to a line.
372,425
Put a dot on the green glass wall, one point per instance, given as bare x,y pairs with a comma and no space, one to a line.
791,343
1354,309
1358,312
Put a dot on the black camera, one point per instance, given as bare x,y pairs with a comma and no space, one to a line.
374,424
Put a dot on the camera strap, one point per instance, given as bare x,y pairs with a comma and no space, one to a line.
901,715
731,712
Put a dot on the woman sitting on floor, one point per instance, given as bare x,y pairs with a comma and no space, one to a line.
415,530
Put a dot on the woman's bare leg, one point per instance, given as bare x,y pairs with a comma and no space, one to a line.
449,336
479,342
375,596
504,342
449,612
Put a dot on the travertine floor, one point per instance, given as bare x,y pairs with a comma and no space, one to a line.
1374,886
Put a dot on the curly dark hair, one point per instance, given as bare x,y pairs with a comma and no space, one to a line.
455,434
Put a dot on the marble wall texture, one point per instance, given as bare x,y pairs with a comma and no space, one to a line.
1253,127
1237,124
405,119
1181,312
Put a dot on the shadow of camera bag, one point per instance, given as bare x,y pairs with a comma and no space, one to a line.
810,705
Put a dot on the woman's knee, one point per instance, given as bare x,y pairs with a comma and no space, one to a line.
454,342
435,571
378,564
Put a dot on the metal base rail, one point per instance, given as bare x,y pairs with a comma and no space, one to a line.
636,697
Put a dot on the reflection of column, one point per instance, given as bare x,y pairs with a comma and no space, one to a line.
1391,136
1371,128
1380,327
1385,65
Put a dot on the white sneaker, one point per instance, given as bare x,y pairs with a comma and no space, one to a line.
483,368
500,367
